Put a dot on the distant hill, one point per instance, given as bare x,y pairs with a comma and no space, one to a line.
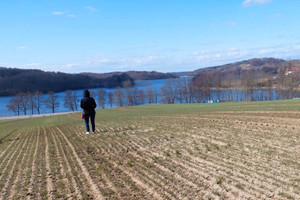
14,81
260,72
264,67
136,75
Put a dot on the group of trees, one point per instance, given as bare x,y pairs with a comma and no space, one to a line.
129,96
24,102
233,86
250,83
287,83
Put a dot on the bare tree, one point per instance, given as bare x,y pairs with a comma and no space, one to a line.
24,101
280,82
102,94
135,94
52,102
37,101
179,89
14,105
31,102
202,87
287,82
169,92
249,83
156,96
141,96
217,83
191,93
119,97
69,100
291,84
111,98
184,90
75,100
129,96
150,95
270,89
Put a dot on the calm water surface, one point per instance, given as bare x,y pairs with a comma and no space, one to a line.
155,84
232,95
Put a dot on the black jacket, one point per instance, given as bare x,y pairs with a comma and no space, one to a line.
88,103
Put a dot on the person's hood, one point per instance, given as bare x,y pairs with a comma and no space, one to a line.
86,93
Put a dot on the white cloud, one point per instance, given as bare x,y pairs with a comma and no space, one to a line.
71,65
58,13
247,3
90,8
63,13
166,61
33,65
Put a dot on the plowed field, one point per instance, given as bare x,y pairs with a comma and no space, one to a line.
222,151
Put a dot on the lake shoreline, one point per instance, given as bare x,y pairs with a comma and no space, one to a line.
34,116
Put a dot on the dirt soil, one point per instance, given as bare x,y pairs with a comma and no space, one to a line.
217,155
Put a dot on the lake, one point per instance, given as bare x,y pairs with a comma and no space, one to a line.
222,95
154,84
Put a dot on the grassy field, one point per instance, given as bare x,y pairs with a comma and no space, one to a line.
198,151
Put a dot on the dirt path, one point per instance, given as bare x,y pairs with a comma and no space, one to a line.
48,169
33,116
33,167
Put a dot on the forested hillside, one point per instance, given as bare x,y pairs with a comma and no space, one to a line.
249,75
14,81
265,67
137,75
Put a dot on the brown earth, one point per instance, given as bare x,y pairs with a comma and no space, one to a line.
218,155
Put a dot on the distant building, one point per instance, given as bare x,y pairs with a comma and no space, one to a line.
291,70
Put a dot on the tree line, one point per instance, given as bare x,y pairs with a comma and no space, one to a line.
14,81
284,84
30,103
204,86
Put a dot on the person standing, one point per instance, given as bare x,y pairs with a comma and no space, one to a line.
88,105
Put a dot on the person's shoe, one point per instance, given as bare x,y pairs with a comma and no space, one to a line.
93,132
87,133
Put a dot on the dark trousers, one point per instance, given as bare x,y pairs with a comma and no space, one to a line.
86,119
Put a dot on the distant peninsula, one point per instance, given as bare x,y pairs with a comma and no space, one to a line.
137,75
14,80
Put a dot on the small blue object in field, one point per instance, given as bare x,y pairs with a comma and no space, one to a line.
212,101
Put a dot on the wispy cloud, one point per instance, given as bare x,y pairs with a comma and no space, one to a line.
90,8
63,14
33,65
58,13
247,3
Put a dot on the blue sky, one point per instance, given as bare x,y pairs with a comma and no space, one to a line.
161,35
